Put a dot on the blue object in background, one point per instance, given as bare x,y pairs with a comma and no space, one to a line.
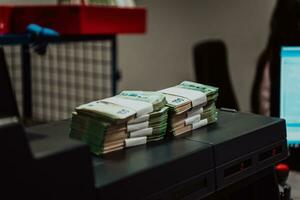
290,92
37,33
41,31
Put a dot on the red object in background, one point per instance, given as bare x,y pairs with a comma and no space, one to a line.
282,171
73,19
282,167
5,14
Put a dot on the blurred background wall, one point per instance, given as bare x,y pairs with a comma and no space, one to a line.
163,56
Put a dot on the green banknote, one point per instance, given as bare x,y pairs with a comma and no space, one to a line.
89,130
159,116
161,112
159,133
174,102
210,91
159,123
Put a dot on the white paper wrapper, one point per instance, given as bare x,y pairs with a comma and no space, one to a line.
143,132
196,111
140,107
142,118
192,120
196,97
138,126
130,142
199,124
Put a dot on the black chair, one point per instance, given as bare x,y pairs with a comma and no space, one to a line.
211,68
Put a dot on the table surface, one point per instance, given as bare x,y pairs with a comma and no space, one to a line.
236,134
54,137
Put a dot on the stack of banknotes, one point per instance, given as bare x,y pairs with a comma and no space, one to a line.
128,119
191,105
136,117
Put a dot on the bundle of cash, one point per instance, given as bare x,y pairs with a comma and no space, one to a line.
192,105
136,117
147,127
128,119
102,125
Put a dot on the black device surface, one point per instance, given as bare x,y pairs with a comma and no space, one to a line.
238,145
243,144
163,167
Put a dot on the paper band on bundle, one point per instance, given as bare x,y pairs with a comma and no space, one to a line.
199,124
196,97
138,126
140,107
107,107
143,132
192,120
142,118
130,142
194,112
